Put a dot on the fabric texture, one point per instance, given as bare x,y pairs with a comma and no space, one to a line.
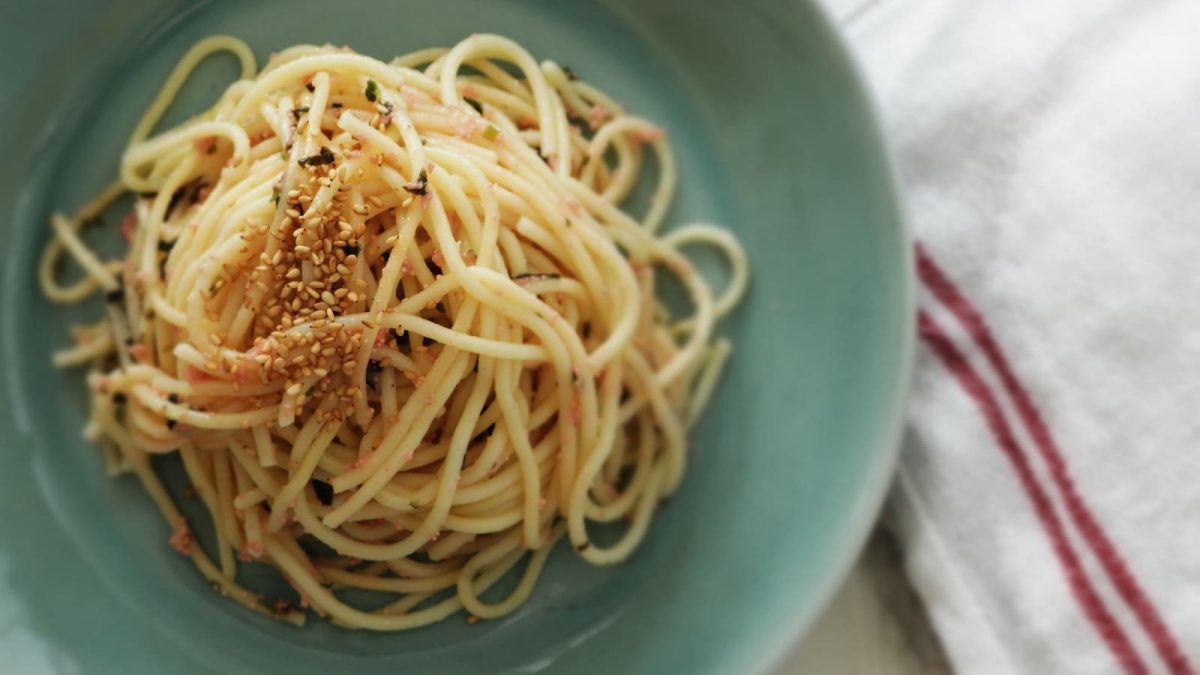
1049,488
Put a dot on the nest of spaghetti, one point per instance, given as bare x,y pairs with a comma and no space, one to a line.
396,325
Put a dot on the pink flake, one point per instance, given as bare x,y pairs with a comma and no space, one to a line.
598,115
128,226
649,135
181,540
140,352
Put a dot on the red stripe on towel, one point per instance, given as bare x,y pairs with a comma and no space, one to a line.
1110,559
1093,607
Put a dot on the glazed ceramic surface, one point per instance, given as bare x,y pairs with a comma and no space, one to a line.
775,141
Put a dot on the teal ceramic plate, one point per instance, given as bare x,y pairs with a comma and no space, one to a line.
775,140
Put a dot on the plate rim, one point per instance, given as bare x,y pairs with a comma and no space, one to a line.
875,484
785,626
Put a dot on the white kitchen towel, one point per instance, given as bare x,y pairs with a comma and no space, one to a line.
1049,488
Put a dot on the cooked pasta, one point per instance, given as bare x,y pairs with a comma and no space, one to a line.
396,325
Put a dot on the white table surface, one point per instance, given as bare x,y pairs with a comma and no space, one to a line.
874,626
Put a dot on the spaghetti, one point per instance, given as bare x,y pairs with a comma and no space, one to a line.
395,324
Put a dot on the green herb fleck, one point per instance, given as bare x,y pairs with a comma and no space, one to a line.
372,91
323,490
420,186
491,133
374,368
325,156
